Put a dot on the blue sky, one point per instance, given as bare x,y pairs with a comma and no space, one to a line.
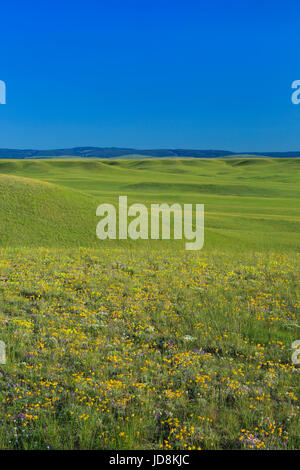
150,74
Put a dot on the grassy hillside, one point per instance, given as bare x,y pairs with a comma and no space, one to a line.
35,212
145,345
249,203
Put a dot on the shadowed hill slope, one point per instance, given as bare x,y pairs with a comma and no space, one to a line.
34,212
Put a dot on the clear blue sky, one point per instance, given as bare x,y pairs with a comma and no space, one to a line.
150,74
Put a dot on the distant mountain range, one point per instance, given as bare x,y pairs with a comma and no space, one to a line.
114,152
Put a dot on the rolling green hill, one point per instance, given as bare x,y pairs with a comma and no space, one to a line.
35,212
248,202
143,345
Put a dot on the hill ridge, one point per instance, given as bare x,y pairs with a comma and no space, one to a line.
115,152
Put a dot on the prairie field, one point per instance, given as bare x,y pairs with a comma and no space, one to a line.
142,344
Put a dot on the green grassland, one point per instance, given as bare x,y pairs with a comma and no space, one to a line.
249,203
143,345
